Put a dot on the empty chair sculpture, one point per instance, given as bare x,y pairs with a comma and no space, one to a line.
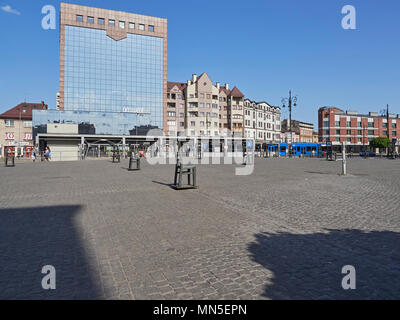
134,162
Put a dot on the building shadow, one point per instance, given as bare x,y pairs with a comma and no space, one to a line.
31,238
309,266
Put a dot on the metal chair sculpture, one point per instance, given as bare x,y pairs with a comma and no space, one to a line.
184,170
9,161
134,161
116,157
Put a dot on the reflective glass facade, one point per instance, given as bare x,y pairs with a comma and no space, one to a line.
92,122
102,74
112,78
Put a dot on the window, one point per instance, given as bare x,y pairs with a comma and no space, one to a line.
141,27
171,123
100,21
394,126
370,124
384,125
27,124
122,24
208,96
349,124
131,25
394,133
192,123
90,19
359,132
201,123
9,123
79,18
370,132
359,124
337,132
151,28
348,132
111,22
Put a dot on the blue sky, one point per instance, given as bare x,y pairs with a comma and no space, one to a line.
264,47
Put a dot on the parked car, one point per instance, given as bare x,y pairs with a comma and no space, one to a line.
367,153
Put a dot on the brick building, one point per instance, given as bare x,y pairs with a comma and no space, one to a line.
338,126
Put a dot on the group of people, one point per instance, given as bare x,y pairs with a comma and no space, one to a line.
46,155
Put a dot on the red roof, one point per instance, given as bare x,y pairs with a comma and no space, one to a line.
227,91
180,85
236,93
23,111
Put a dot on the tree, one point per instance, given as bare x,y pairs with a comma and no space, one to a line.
380,142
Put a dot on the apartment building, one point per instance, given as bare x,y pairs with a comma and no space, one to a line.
16,134
302,131
262,121
338,126
201,108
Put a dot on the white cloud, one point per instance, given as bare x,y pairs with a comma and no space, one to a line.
7,8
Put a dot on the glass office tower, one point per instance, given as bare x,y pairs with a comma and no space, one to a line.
112,71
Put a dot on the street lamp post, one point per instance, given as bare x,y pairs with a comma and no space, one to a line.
289,102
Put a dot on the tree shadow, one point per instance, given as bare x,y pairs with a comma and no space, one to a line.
309,266
31,238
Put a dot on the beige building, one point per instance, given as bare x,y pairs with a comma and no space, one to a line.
303,130
201,108
16,136
262,121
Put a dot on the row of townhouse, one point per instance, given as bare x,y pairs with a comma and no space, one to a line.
262,121
201,108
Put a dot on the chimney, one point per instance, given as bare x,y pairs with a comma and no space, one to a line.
189,82
227,86
194,77
218,85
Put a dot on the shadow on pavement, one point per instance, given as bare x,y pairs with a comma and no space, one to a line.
31,238
308,266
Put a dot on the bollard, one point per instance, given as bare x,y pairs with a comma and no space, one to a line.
344,164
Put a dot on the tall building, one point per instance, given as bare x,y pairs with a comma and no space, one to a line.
16,129
337,126
200,108
302,131
113,70
262,121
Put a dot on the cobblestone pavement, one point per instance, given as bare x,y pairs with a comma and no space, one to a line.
284,232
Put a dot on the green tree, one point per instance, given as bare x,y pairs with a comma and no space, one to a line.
380,142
